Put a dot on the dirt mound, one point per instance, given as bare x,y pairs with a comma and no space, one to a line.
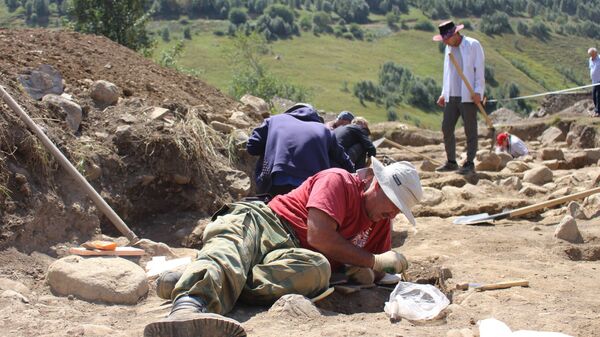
143,166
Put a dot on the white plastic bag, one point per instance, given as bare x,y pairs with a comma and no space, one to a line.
415,301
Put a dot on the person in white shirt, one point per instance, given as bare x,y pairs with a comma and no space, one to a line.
456,99
594,64
505,142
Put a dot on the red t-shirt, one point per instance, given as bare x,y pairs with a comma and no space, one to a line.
339,194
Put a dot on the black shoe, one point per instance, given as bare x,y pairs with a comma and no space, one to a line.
188,318
448,167
166,283
467,168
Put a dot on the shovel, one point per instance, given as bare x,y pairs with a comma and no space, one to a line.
66,164
484,217
382,140
488,121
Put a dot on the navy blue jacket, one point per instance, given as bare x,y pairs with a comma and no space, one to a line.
295,143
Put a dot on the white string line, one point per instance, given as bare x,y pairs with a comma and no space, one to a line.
543,94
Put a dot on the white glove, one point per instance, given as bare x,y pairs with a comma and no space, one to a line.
390,261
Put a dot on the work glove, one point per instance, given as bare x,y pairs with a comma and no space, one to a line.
360,275
390,262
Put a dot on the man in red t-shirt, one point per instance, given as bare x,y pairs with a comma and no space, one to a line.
258,253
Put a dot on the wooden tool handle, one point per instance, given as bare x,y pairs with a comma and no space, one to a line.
488,121
401,147
66,164
503,285
553,202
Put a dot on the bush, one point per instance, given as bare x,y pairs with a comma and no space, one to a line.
306,22
356,31
540,30
392,115
238,16
495,24
522,28
348,36
165,35
424,25
187,33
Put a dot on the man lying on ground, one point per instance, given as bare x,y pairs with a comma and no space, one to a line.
257,252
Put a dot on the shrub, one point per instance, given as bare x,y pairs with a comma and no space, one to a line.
522,28
187,33
495,24
165,35
424,25
238,16
392,115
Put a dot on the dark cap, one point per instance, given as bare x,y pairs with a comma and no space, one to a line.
447,29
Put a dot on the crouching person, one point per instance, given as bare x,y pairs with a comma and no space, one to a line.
257,253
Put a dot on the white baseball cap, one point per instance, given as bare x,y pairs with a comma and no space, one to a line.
401,184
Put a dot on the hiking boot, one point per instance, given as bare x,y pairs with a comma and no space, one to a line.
166,283
188,318
467,168
448,167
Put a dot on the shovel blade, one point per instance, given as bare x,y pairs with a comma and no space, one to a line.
378,142
472,219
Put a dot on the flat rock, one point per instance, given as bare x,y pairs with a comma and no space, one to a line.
517,166
567,230
221,127
512,183
257,103
552,135
578,160
553,164
428,166
531,190
15,295
294,306
538,176
108,280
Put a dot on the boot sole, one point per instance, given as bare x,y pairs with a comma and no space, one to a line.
203,325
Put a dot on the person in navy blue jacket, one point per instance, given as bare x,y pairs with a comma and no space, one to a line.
292,147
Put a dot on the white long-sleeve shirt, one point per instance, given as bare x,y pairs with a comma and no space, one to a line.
473,67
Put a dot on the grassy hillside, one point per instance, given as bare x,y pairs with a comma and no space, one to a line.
325,63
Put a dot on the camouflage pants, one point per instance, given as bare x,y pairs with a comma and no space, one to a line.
249,254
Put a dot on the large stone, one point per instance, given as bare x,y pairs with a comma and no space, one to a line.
104,93
552,164
427,166
517,166
294,306
551,153
487,161
71,109
237,182
593,155
539,175
552,135
582,136
257,103
42,81
431,196
108,280
567,230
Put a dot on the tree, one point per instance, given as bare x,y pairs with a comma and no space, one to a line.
187,33
12,5
165,34
122,21
252,76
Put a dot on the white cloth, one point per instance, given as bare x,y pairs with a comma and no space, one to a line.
516,149
473,61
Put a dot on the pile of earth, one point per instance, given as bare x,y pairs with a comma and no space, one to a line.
153,153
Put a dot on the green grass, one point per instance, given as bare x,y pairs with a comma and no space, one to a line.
324,63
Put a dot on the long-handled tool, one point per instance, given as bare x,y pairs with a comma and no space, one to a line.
484,217
402,147
488,121
96,198
493,286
